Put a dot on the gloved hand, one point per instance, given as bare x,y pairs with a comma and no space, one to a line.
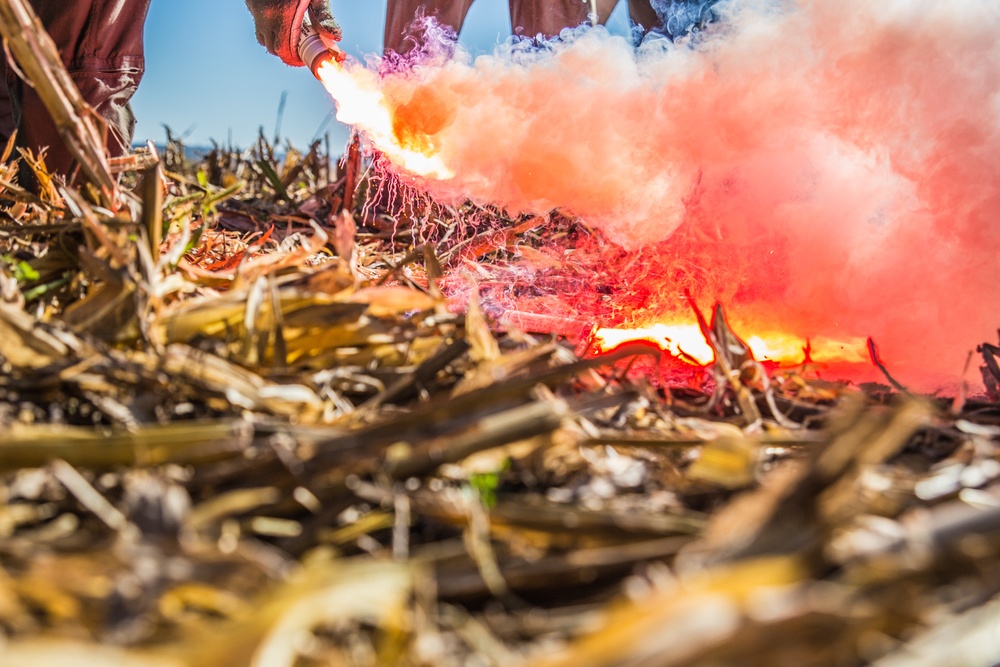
279,25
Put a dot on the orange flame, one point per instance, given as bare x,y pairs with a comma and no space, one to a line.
686,342
362,103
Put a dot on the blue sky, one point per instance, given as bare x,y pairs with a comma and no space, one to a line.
206,74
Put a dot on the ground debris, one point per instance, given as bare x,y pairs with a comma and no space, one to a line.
304,434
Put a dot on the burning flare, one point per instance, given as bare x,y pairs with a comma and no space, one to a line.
362,103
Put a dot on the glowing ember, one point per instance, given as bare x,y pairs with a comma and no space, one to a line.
680,340
361,103
686,342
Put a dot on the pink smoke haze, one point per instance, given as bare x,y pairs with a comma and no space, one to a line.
838,163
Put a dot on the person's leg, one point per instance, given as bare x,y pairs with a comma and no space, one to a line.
643,14
547,17
7,123
100,42
604,10
399,15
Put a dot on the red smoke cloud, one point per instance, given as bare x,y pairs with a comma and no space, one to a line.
833,168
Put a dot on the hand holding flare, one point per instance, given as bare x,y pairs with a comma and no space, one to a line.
280,23
315,49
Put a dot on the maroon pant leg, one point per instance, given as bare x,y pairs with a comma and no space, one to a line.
100,42
642,13
547,17
400,14
7,123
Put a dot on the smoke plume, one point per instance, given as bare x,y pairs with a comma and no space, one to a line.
835,164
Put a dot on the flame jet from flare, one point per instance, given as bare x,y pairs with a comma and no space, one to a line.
362,104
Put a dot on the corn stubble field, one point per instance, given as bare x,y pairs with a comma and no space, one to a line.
242,425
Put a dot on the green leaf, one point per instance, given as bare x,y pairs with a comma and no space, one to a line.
41,290
486,484
211,199
273,179
25,273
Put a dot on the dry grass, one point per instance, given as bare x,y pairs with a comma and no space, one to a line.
271,442
240,424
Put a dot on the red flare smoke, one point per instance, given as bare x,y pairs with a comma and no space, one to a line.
824,169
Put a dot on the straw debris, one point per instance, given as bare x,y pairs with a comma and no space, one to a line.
242,423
